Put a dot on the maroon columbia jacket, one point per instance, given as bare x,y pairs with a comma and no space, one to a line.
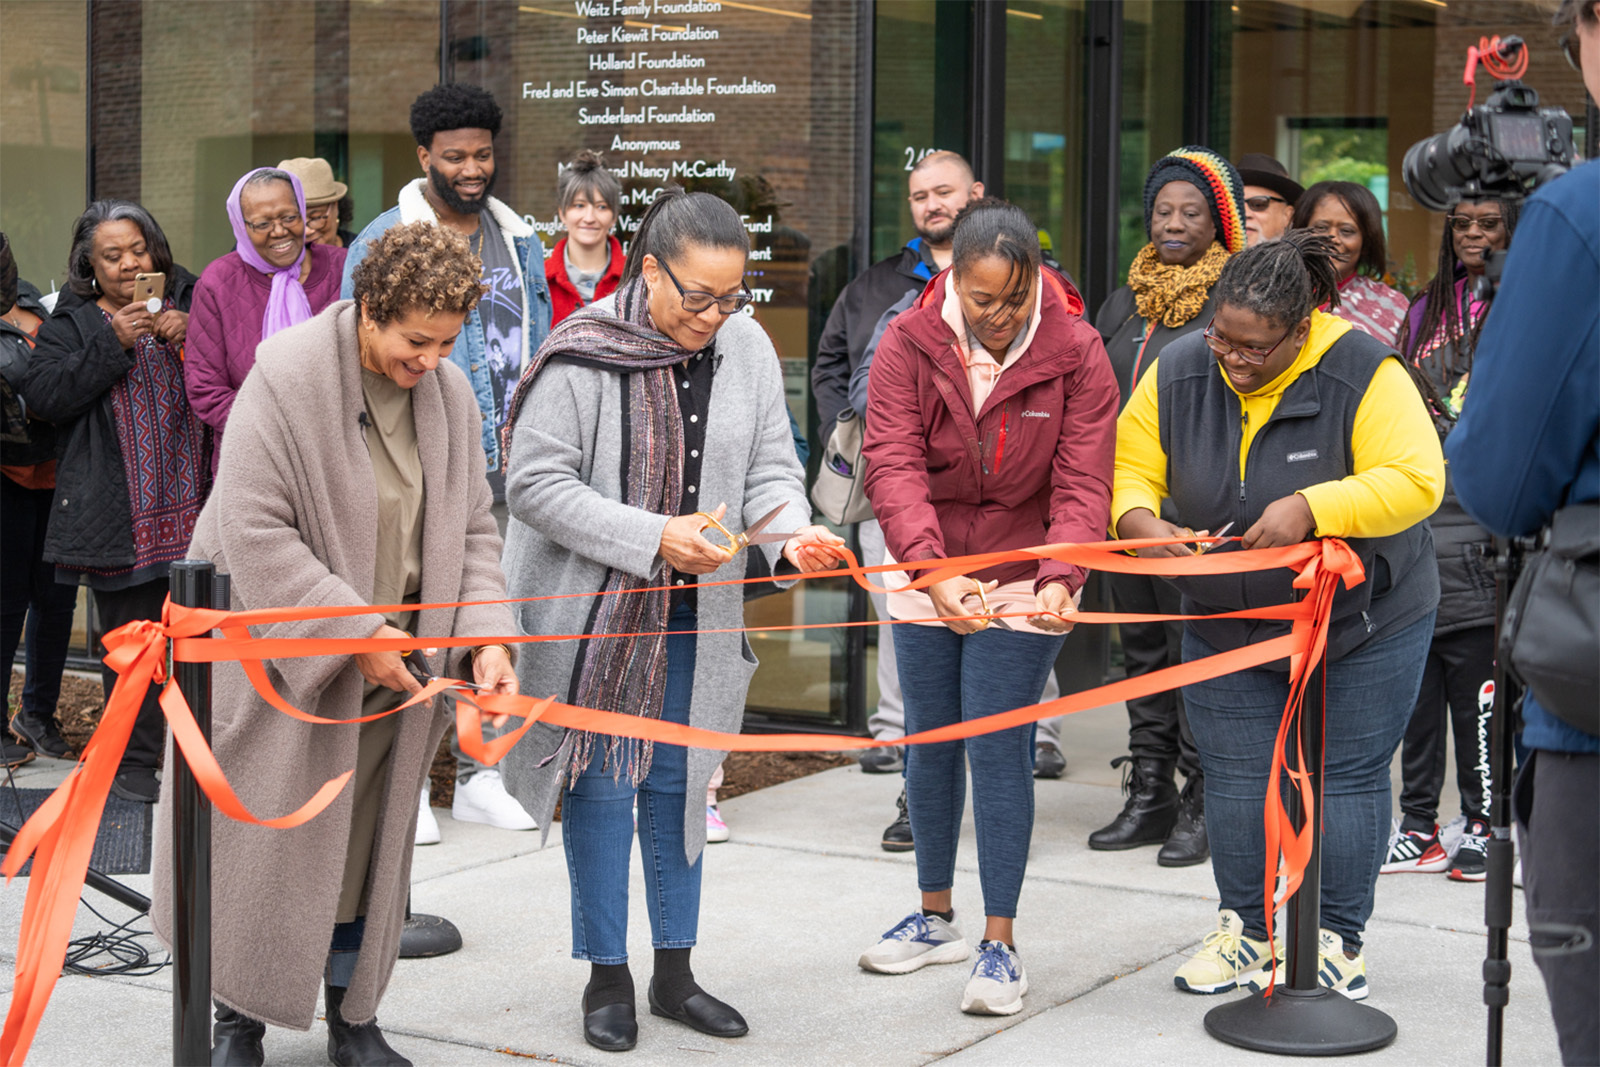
1034,466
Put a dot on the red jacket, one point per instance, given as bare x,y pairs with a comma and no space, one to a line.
564,299
1033,468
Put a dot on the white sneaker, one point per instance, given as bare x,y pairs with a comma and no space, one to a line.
998,982
483,798
915,941
1229,959
427,825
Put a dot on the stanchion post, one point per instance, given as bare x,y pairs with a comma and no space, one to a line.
191,585
1501,855
1301,1018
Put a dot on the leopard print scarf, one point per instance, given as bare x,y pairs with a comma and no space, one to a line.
1170,294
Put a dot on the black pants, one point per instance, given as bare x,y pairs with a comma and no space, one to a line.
1458,665
116,608
31,599
1157,725
1557,803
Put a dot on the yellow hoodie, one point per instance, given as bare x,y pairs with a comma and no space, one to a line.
1399,466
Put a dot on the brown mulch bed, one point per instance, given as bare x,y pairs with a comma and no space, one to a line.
743,772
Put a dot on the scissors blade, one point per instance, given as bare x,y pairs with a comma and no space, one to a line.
753,535
1202,549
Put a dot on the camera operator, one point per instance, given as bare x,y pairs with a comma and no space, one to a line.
1527,445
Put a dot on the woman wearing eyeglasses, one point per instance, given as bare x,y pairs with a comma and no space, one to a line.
271,280
1290,423
642,418
1350,216
1195,218
1438,338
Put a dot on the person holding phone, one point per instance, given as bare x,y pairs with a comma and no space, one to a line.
135,459
351,476
273,279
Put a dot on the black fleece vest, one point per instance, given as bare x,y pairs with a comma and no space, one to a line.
1305,442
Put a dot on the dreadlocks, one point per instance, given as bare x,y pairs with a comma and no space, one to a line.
1281,280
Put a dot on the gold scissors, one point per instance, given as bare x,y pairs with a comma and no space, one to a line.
753,535
1201,550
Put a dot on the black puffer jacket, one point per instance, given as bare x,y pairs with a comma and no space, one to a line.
1463,548
77,361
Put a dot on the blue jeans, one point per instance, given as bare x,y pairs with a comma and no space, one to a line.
948,678
597,831
1370,694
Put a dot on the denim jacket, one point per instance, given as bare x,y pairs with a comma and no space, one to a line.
527,253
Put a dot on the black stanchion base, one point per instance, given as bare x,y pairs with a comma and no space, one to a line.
1319,1022
428,935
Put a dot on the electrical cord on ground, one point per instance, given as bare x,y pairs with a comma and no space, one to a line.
126,956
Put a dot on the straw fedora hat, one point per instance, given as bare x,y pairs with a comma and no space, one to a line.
316,178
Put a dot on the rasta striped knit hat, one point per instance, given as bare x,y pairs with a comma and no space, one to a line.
1217,181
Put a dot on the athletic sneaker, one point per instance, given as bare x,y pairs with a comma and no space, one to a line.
1228,959
916,941
998,981
427,825
1338,972
716,829
1470,863
1450,835
1414,852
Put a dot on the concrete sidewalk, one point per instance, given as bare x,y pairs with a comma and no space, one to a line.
791,902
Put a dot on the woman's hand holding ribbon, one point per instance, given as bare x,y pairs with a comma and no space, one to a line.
814,548
491,669
1286,521
1054,602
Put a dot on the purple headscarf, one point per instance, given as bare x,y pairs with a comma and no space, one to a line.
288,304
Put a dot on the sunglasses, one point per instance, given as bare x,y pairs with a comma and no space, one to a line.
697,300
1489,224
1221,346
1261,203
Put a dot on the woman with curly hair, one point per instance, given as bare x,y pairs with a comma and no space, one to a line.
1349,216
351,476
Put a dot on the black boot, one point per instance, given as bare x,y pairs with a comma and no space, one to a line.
236,1040
897,837
356,1046
1188,844
1151,810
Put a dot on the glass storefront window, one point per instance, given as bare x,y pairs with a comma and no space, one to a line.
1341,91
176,125
1152,111
42,143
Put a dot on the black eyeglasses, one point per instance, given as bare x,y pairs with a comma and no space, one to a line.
1489,224
697,300
1220,346
1569,48
288,222
1261,203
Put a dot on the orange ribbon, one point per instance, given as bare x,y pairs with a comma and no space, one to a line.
60,835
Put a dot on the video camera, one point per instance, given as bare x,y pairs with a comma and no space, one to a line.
1503,148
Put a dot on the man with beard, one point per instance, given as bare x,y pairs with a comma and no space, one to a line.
455,127
940,186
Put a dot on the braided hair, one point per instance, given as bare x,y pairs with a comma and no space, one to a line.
1441,310
1281,280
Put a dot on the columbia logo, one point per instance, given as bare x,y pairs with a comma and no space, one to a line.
1036,414
1296,457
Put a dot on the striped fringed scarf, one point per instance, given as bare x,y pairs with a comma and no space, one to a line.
625,674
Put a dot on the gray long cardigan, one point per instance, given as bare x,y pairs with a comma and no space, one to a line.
568,526
294,519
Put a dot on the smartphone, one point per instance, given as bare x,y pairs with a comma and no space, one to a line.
149,286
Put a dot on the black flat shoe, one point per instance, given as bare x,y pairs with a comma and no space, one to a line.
703,1012
612,1028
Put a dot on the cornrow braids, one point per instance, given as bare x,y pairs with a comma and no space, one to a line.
1281,280
417,266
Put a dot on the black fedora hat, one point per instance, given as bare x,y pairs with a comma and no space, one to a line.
1258,168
